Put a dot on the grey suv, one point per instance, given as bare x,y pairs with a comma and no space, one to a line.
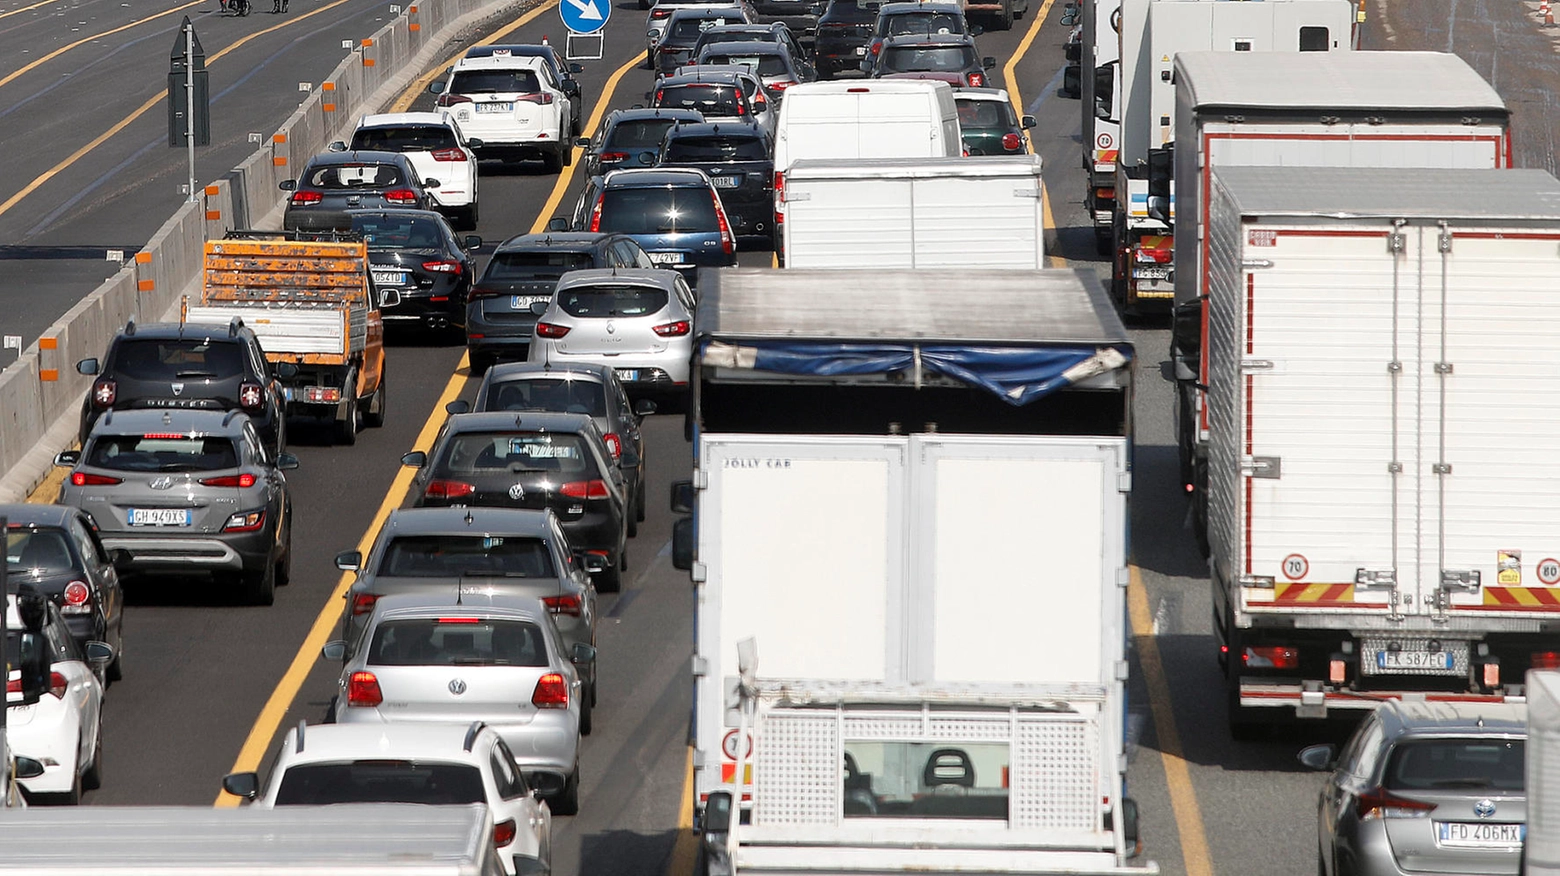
187,491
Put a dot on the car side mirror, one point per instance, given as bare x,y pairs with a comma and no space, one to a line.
576,68
349,561
336,146
583,655
683,552
472,242
100,653
390,298
1027,122
1129,827
988,62
594,563
28,768
431,183
458,406
570,87
67,458
287,185
1069,19
717,812
539,307
976,30
544,784
582,142
474,143
557,223
415,459
1159,208
436,86
682,497
87,366
286,370
644,407
286,461
334,650
120,558
245,785
1318,757
648,157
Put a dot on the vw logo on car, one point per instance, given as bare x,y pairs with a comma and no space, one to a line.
517,491
457,686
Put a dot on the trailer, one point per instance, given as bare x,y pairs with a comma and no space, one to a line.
977,212
1100,55
1343,109
1383,395
1541,847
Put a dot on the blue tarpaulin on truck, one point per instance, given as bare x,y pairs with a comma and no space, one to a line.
1017,375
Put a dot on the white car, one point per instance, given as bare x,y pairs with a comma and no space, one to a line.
430,763
437,149
63,730
513,104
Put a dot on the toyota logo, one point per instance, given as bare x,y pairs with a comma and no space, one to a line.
517,492
457,686
1484,809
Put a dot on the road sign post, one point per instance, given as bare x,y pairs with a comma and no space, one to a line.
585,20
189,105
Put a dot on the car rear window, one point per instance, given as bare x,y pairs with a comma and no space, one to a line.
658,211
985,114
150,359
161,452
930,23
550,264
407,138
457,641
913,59
612,301
740,36
41,551
687,28
716,149
548,394
354,176
450,556
517,452
638,134
712,100
398,232
762,64
381,781
494,82
1473,765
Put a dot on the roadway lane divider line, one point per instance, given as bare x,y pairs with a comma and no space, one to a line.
29,67
27,8
685,850
1178,777
125,122
286,691
404,102
1010,82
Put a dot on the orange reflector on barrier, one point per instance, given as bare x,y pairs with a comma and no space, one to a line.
48,375
279,161
212,191
327,86
48,343
143,258
146,285
278,138
213,215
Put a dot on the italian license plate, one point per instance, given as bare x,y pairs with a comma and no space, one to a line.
861,50
726,182
389,278
159,517
628,374
524,302
665,258
1480,835
1388,661
1151,273
496,106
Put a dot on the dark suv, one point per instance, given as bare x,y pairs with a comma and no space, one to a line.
739,160
843,32
951,54
188,366
674,213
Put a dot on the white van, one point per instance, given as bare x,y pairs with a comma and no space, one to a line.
863,118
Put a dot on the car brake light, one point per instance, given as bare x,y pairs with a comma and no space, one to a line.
504,833
82,479
77,598
613,157
781,86
1012,142
1379,803
549,330
401,196
442,266
363,690
57,685
1272,657
363,603
741,108
659,95
779,196
460,620
614,444
682,326
245,521
877,48
977,80
594,489
302,199
483,292
452,99
569,604
595,215
250,396
239,480
728,244
551,692
451,154
1544,660
104,392
658,14
448,489
544,98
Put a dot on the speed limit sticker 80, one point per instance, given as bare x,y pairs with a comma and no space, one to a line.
1548,571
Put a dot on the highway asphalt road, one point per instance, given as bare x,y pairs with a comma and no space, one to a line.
209,684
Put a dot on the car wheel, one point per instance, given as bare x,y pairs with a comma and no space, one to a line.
639,499
92,778
374,411
1004,18
552,160
567,802
260,584
585,713
610,580
347,425
468,217
116,669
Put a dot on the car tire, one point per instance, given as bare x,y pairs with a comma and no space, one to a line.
633,526
468,217
284,568
1003,20
347,426
115,671
1102,242
552,160
585,715
567,802
92,776
639,499
610,580
374,411
260,584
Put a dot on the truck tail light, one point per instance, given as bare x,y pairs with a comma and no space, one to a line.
614,444
779,196
77,598
82,479
1337,671
442,266
239,480
1380,803
305,198
1272,657
363,690
680,327
1011,142
552,692
451,154
401,196
245,521
448,489
568,604
1492,674
594,489
363,603
250,396
549,330
104,392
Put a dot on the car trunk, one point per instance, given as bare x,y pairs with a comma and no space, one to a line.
427,693
613,320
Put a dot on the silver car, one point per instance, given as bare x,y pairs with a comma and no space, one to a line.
186,491
1425,787
638,322
494,659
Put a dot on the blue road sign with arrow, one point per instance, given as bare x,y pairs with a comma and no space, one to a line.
585,16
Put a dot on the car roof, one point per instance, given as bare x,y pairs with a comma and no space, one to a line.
523,50
657,177
1423,718
904,8
473,602
708,129
520,421
652,112
549,240
930,40
771,28
996,94
623,276
357,156
468,520
527,370
705,10
500,62
700,75
184,421
751,47
409,212
385,120
412,740
165,330
24,514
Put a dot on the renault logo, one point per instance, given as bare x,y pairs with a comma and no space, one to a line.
611,329
457,686
1484,809
161,483
178,389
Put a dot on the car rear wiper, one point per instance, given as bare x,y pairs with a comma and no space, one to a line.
1462,783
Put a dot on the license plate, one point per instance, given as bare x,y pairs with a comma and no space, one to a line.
496,106
389,278
1480,836
524,302
159,517
1391,660
1151,273
665,258
726,182
628,374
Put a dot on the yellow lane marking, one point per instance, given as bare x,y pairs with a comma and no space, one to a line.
123,123
1183,796
46,492
685,850
281,699
404,102
26,68
561,187
25,8
1010,81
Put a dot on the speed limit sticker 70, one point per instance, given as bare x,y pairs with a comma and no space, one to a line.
1548,571
1295,567
728,745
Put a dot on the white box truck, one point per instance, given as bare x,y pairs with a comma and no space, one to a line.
1541,848
1152,33
919,701
1100,56
1344,109
977,212
1384,394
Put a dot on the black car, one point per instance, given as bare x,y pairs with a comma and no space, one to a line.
951,54
191,366
414,253
776,32
563,71
739,159
631,138
334,183
500,318
532,460
674,213
800,16
717,94
919,18
682,31
988,124
56,549
843,32
772,63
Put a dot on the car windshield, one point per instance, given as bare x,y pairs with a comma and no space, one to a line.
710,99
354,176
161,452
381,781
606,302
457,641
716,149
398,232
494,82
36,552
985,114
687,28
637,134
658,211
548,394
930,23
563,453
1473,765
915,59
451,556
193,358
405,138
540,265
